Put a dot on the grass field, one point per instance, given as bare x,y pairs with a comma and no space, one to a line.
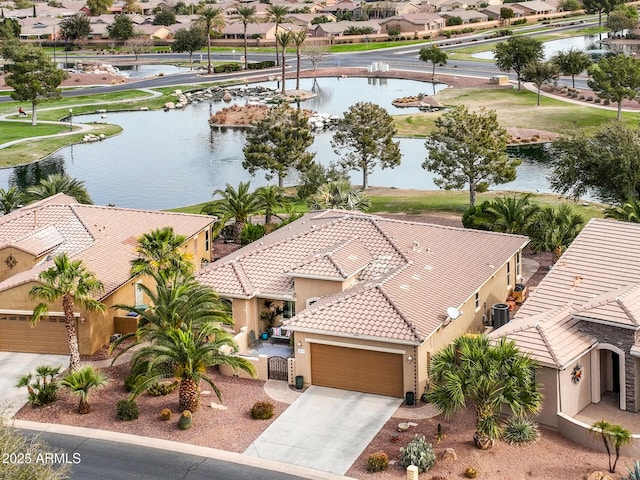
10,131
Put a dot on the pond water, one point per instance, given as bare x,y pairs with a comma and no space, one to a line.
146,71
171,159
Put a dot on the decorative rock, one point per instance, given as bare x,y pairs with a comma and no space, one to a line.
178,92
598,475
169,106
217,406
449,454
144,109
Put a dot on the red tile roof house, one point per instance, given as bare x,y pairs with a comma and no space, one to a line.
104,238
367,297
582,325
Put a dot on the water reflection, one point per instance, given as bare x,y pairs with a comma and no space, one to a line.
170,159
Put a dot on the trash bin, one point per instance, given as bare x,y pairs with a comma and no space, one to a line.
410,398
299,382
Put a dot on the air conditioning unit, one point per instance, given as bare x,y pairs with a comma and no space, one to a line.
500,315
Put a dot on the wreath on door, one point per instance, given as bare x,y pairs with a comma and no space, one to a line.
576,374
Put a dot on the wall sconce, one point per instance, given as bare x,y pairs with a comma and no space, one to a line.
82,320
409,358
299,344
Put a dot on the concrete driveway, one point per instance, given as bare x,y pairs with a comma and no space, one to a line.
325,429
13,366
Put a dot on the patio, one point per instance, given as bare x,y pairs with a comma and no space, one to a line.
608,410
271,348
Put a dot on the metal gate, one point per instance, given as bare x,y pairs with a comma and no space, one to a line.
277,368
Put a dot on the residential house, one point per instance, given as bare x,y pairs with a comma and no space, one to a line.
467,16
369,299
336,29
305,19
493,11
582,324
413,22
104,238
537,7
384,9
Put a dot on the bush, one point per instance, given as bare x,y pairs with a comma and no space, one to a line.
251,232
132,381
161,389
127,410
520,431
165,414
419,453
44,388
477,217
471,472
262,410
377,462
227,68
261,65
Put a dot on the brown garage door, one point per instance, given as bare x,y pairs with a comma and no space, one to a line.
49,336
354,369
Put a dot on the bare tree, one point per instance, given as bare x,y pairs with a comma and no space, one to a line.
138,45
315,52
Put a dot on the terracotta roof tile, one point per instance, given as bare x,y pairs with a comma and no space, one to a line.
619,306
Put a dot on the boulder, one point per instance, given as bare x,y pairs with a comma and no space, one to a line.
169,106
598,475
449,454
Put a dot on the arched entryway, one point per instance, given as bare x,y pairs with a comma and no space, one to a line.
608,373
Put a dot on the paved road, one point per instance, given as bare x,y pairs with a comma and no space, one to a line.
98,459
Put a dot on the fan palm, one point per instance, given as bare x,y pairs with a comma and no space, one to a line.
238,204
190,353
270,198
339,194
73,283
512,214
160,251
284,39
10,200
629,211
472,370
298,38
553,229
81,382
247,15
277,14
210,19
58,183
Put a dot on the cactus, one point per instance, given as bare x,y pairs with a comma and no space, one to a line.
419,453
471,472
185,420
377,462
165,414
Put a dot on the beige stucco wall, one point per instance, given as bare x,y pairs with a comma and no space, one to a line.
23,261
575,396
307,288
548,379
245,313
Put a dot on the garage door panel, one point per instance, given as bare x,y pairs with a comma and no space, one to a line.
356,369
48,336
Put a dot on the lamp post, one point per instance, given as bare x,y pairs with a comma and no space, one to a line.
54,44
71,119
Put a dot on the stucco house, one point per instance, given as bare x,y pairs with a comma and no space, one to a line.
104,238
368,299
413,22
582,324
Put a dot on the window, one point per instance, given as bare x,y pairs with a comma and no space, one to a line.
477,301
206,240
517,265
139,294
508,274
288,309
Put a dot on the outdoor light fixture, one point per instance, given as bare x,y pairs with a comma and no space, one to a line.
71,119
299,344
409,358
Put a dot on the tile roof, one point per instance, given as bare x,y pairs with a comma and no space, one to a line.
620,306
102,237
413,271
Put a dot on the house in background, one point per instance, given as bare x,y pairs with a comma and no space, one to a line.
413,22
104,238
368,299
582,324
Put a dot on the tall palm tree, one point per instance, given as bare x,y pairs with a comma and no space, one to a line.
512,214
247,15
277,14
270,198
629,211
298,39
210,19
553,229
473,370
58,183
160,251
238,204
612,436
70,281
81,382
284,38
10,199
339,194
190,353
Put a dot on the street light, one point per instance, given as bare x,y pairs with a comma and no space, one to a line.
71,119
54,43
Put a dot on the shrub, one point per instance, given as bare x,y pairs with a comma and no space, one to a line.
132,381
251,232
44,388
471,472
419,453
477,217
520,431
161,389
377,462
165,414
262,410
127,410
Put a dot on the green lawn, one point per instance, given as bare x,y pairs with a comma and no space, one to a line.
13,130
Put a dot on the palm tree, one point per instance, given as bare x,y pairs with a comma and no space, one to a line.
210,20
629,211
238,204
339,194
58,183
284,38
81,382
10,200
553,229
247,15
160,251
277,14
73,283
473,370
298,39
612,435
190,352
512,214
270,198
